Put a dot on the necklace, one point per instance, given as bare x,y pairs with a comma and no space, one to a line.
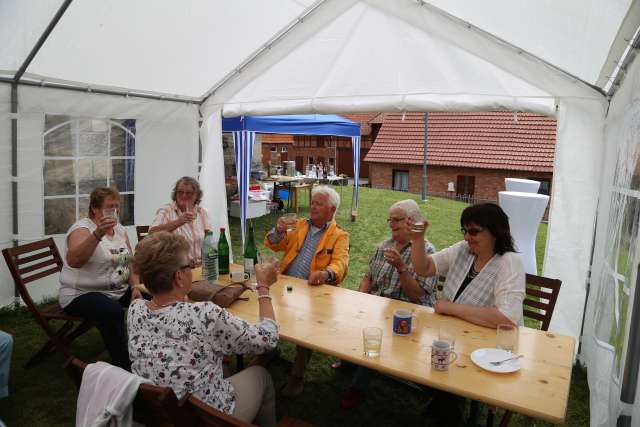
167,304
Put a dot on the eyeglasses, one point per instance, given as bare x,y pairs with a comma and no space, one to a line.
471,231
185,193
184,267
396,220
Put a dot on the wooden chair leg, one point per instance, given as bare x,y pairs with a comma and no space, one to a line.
473,414
53,343
490,414
506,419
79,330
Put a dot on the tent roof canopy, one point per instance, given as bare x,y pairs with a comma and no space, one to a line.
305,124
98,46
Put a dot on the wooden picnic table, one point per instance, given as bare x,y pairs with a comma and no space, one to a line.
329,319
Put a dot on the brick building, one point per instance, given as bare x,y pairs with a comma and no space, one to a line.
332,150
468,154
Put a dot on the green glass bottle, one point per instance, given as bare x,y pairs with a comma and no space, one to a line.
250,255
223,253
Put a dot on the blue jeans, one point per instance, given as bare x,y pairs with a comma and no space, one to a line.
109,317
6,347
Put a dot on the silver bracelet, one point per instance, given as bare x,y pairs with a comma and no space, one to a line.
264,296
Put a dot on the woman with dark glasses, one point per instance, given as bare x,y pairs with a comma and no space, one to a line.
484,276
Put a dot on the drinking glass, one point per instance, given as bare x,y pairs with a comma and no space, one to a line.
371,341
417,227
290,219
110,213
447,333
506,337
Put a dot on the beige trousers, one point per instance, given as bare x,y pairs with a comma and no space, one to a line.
255,396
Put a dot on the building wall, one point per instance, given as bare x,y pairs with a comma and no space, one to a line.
342,154
488,182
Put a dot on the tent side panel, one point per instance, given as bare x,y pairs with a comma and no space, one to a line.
166,148
576,180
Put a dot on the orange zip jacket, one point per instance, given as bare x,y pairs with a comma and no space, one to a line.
332,251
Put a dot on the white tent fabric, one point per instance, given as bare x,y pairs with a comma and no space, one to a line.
125,44
162,127
334,65
616,248
345,56
560,32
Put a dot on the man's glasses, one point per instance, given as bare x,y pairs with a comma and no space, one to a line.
395,220
471,231
185,193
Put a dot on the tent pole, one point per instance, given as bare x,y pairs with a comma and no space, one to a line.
87,89
36,48
14,127
14,177
424,157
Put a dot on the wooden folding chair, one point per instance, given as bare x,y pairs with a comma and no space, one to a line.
539,303
28,263
152,406
211,417
142,231
206,416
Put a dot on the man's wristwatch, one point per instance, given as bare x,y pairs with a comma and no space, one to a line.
402,270
98,238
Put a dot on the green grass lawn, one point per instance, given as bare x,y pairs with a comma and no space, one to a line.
44,396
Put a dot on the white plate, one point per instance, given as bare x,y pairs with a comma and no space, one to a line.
484,356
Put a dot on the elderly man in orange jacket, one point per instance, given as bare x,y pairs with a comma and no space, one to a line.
317,250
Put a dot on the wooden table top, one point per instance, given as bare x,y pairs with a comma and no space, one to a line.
330,319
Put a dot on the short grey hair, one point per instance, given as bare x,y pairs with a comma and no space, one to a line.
410,209
334,197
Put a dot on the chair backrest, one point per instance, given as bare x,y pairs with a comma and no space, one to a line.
211,417
142,231
153,405
541,297
30,262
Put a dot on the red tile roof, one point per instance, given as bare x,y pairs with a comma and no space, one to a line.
488,140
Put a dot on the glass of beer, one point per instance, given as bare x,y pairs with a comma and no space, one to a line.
291,219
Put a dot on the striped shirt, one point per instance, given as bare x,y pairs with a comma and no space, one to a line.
193,231
301,264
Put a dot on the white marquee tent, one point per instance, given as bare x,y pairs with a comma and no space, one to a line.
178,67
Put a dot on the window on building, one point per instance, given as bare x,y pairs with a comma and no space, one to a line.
311,160
79,156
401,180
545,185
273,148
284,149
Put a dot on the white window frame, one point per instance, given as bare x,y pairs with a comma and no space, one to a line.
75,134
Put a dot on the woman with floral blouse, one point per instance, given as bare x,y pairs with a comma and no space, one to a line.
181,345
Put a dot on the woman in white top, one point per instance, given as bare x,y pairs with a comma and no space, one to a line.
484,276
184,217
181,345
484,284
95,279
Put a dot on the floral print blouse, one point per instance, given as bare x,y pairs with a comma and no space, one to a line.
182,345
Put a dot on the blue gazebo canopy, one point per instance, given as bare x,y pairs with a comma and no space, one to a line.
302,124
244,129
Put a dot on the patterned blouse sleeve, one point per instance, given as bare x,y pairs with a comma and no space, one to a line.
232,335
